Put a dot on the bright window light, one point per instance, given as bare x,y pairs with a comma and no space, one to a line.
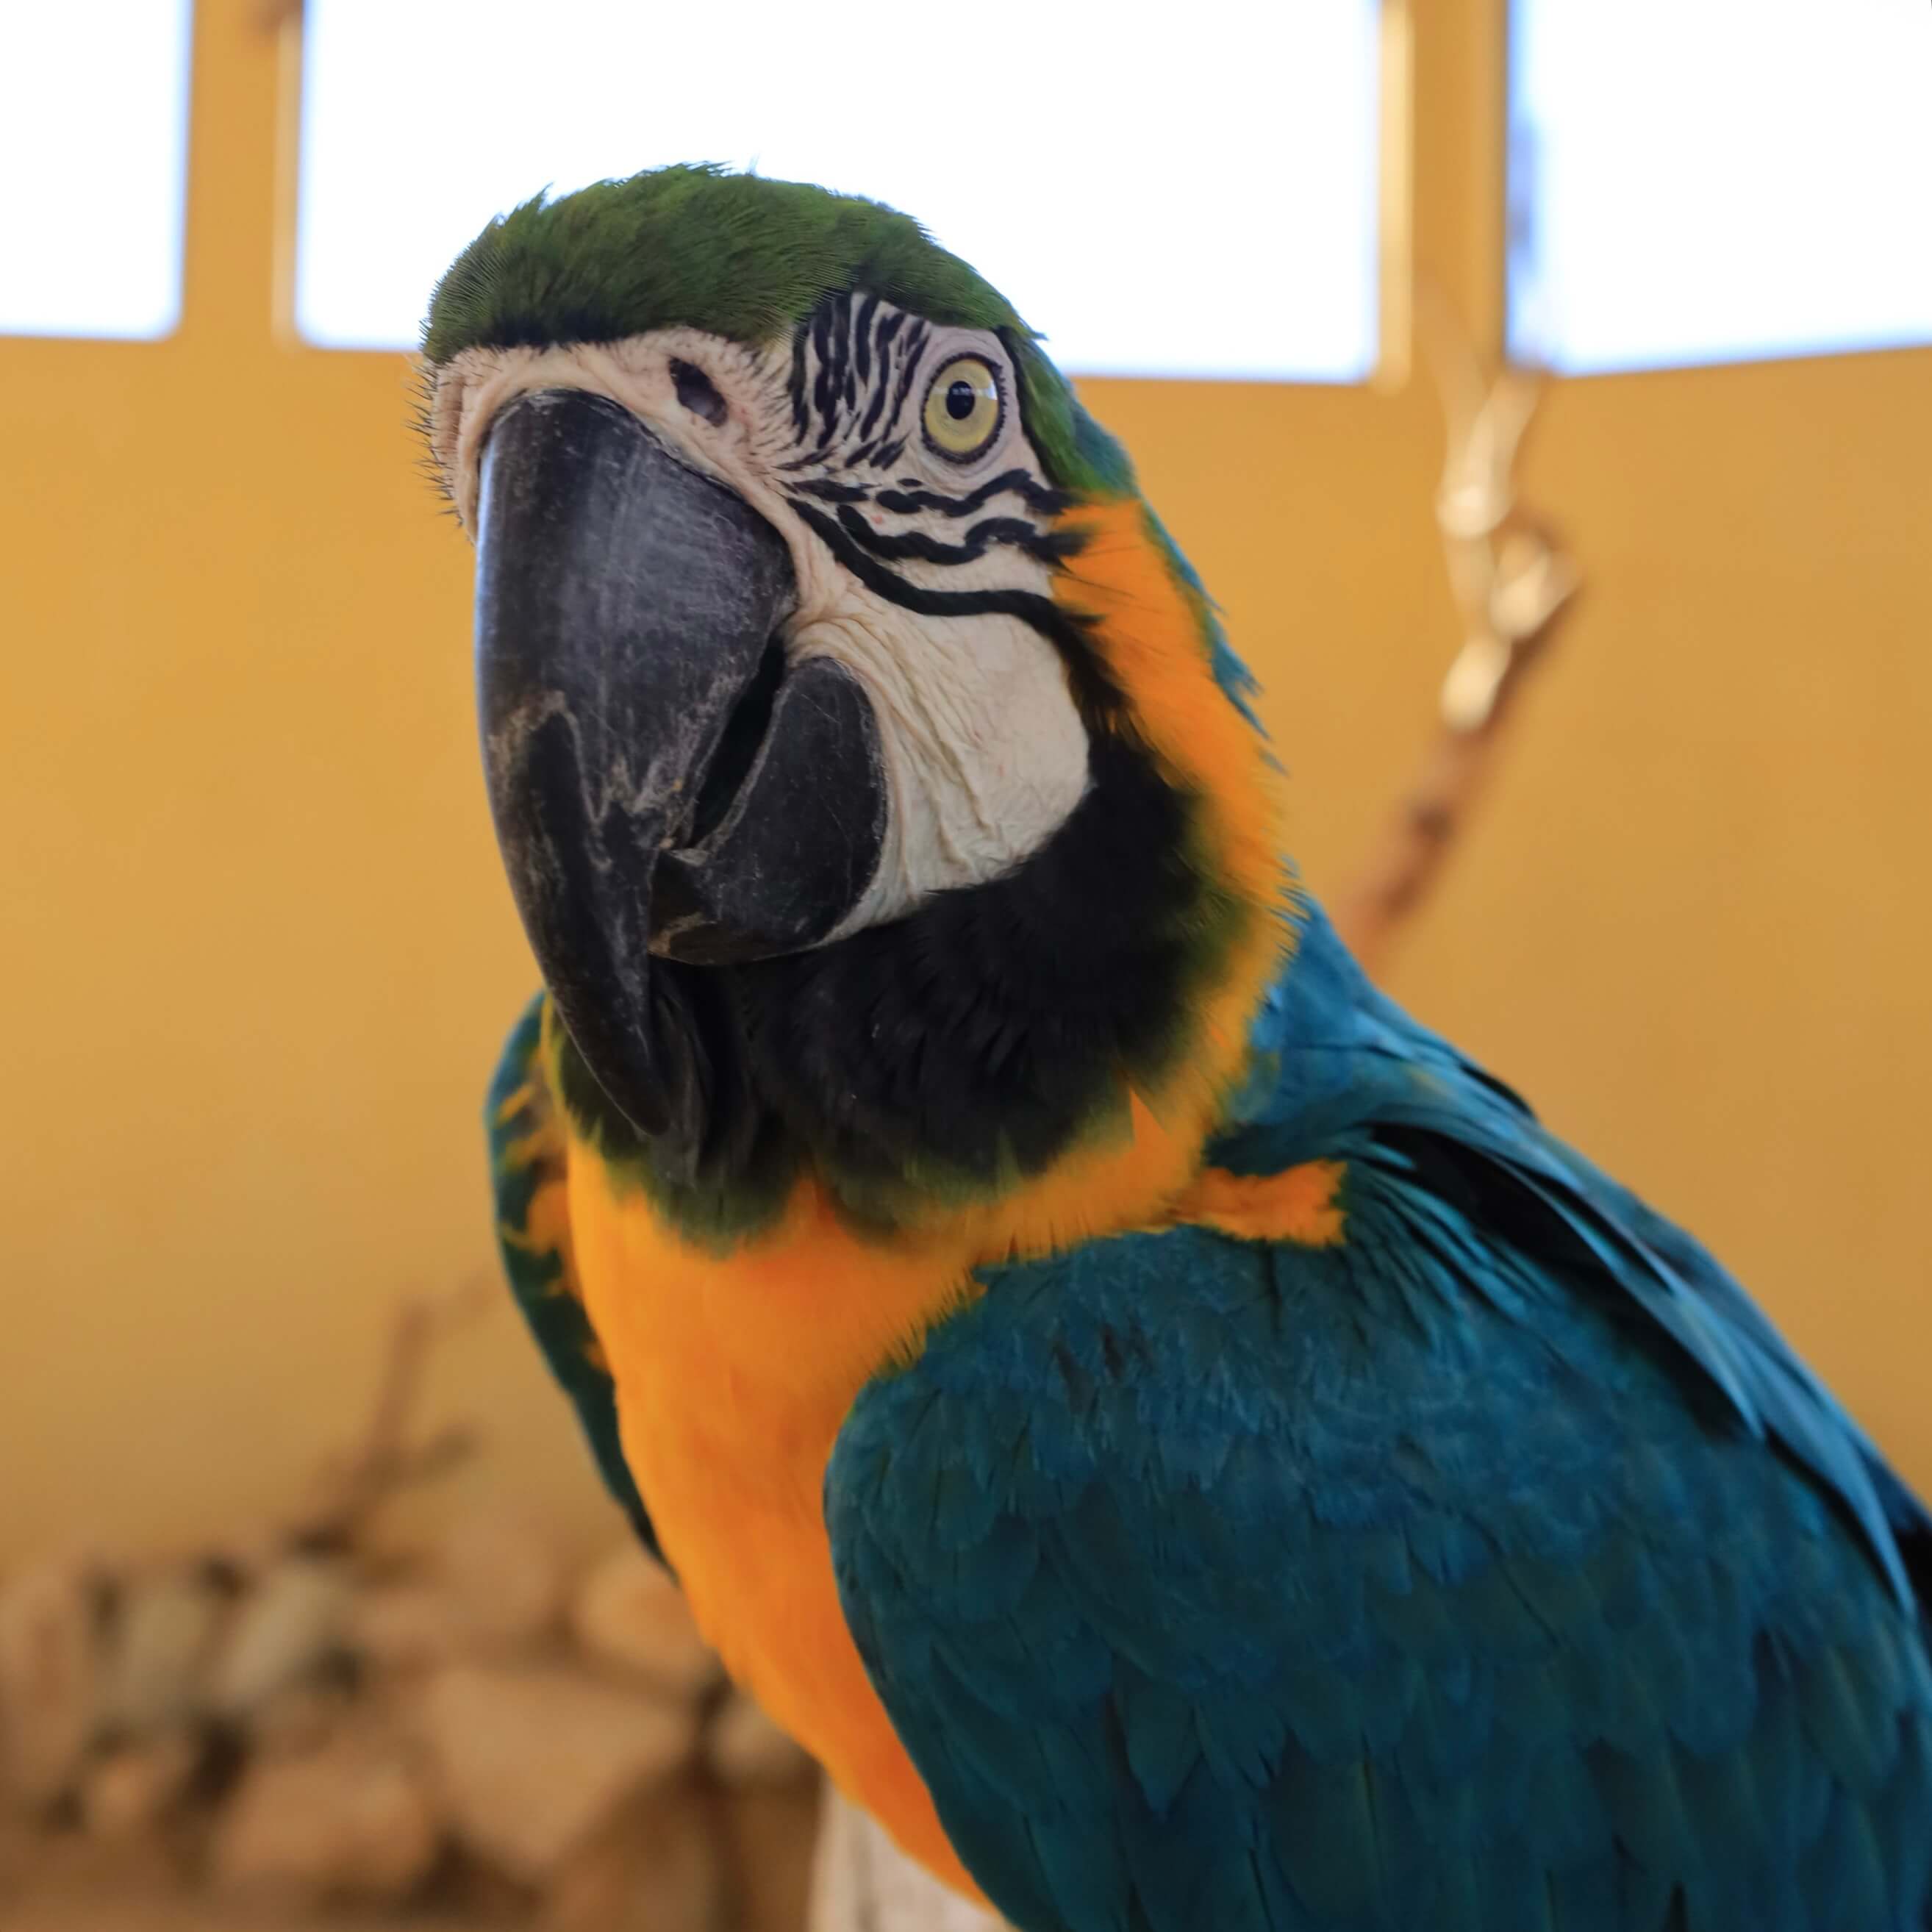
93,152
1162,189
1709,180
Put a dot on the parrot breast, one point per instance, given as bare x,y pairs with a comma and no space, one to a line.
735,1368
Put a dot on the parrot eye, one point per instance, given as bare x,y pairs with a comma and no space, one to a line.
963,408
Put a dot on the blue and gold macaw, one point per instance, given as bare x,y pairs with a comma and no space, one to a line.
1185,1447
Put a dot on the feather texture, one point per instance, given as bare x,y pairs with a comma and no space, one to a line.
1495,1565
1397,1526
529,1160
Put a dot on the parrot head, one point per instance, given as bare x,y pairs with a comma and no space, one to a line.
877,793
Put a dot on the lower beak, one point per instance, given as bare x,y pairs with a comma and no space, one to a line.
662,781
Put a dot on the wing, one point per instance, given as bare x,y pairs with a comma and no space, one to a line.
1334,1058
528,1156
1424,1580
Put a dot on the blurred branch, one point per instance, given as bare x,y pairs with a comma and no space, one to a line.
1512,580
353,1486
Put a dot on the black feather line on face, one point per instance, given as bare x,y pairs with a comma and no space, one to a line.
862,339
883,387
1100,700
849,389
915,348
795,389
1047,546
912,498
810,460
825,389
829,492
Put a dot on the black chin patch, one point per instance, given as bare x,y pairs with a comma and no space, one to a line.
980,1034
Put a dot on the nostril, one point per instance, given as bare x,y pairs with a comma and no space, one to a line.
697,393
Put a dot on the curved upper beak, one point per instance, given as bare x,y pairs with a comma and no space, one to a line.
662,780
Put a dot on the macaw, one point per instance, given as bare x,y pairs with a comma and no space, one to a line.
1183,1446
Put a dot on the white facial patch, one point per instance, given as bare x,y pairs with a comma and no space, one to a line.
916,560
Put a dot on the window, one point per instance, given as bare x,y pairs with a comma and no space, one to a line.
1706,180
1153,202
93,152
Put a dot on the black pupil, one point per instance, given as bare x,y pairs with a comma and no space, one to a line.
961,399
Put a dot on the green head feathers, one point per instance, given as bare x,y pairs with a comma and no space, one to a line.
740,257
734,255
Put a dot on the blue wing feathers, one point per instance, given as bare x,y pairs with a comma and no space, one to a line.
1497,1567
1339,1053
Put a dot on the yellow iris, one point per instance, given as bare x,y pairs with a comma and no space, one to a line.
962,408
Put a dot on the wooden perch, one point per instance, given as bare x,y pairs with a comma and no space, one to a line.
1513,582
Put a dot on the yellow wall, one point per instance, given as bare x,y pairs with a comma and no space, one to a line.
255,956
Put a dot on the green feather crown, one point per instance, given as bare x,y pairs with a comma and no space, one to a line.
743,257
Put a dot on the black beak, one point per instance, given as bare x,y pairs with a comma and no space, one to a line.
662,781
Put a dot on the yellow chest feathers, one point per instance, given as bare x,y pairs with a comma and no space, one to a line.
734,1373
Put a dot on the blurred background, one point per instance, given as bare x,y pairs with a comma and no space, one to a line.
255,948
